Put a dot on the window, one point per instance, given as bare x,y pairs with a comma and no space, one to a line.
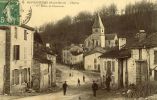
95,66
113,66
97,43
105,65
140,54
95,60
102,30
155,57
25,34
16,53
96,30
15,34
24,75
15,76
108,72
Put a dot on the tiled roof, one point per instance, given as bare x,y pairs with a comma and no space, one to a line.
75,53
95,50
110,36
27,27
116,53
98,23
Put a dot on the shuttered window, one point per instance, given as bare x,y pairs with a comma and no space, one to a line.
25,34
16,53
13,76
16,76
24,75
15,34
113,66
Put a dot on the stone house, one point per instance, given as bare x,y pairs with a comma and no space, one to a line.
136,63
17,48
91,60
111,40
72,55
44,62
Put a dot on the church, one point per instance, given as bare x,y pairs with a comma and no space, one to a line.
99,38
96,44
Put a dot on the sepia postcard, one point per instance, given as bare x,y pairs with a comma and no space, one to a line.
78,49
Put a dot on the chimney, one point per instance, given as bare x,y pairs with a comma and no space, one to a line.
121,42
48,45
81,45
141,35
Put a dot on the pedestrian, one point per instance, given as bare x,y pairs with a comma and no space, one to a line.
94,88
69,74
65,88
108,80
83,78
78,82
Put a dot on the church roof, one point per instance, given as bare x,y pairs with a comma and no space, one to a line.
98,23
110,36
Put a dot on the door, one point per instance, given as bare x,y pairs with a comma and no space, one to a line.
155,75
108,72
141,71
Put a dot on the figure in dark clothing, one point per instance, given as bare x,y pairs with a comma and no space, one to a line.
70,74
83,78
78,82
108,80
65,88
94,88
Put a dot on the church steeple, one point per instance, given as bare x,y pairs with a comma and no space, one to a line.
98,23
98,27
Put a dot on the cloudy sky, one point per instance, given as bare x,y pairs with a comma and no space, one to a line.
41,15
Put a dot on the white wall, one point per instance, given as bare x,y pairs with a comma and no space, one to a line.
26,49
2,57
89,61
114,76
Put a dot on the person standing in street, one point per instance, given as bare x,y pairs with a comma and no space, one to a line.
94,88
65,88
78,83
108,80
83,78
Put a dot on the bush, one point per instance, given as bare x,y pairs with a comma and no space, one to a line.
144,89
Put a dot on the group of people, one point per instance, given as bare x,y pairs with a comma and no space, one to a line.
94,85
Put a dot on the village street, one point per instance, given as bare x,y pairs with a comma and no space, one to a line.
74,91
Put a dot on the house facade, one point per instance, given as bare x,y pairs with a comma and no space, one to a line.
135,63
44,65
72,55
91,59
18,46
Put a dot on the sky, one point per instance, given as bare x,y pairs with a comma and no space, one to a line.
42,15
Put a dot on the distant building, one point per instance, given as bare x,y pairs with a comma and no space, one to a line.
96,44
72,55
91,60
99,38
16,58
44,63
